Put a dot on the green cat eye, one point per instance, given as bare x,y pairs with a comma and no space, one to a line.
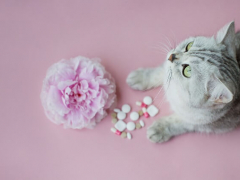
187,71
189,46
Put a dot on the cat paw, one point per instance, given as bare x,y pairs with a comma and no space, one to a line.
158,132
136,80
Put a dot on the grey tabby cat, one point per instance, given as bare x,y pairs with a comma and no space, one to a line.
201,81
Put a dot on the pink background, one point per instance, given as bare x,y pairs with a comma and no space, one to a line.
35,34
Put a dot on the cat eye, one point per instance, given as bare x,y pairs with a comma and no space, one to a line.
188,46
186,71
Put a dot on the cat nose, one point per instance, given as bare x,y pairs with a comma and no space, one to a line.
172,57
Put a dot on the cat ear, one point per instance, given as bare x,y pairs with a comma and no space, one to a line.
219,93
226,36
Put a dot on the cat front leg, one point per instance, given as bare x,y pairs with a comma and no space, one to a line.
146,78
167,127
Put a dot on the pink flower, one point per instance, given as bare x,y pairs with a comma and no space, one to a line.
77,92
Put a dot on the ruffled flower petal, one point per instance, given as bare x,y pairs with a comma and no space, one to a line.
64,84
77,92
54,101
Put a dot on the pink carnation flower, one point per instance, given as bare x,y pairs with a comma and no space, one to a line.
77,92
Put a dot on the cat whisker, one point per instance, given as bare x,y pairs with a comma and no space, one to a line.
158,94
174,41
168,42
168,83
164,47
159,91
161,49
165,83
162,52
167,46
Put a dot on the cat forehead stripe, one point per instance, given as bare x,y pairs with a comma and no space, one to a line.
226,65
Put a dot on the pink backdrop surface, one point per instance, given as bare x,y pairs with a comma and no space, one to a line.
124,34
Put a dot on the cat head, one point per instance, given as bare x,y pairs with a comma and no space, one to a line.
203,71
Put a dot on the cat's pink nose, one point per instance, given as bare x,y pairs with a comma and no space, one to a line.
172,57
